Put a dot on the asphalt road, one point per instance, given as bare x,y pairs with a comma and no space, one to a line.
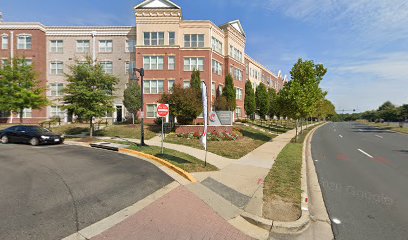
363,173
49,192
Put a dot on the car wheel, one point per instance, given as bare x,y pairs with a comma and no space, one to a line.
4,139
34,141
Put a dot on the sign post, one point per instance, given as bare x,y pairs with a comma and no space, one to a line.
163,112
205,115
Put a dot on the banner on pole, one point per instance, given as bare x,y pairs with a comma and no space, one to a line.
205,115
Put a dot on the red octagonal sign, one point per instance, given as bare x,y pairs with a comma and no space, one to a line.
162,110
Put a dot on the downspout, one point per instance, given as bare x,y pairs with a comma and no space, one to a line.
11,62
211,73
93,47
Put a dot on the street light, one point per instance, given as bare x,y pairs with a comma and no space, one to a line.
141,72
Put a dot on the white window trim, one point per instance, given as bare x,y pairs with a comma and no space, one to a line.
106,47
25,35
174,63
56,69
150,63
150,87
82,47
154,111
191,68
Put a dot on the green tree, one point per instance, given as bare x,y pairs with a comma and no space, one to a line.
89,91
262,100
183,104
273,103
249,101
325,109
388,111
229,93
19,88
195,80
132,98
404,112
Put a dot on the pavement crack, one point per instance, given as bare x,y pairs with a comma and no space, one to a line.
75,207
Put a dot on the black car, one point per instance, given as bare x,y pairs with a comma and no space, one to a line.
33,135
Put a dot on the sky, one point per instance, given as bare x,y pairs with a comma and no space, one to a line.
362,43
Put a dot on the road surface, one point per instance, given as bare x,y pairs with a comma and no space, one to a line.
363,172
49,192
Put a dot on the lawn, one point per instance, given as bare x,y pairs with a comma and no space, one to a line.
129,131
282,186
179,159
249,140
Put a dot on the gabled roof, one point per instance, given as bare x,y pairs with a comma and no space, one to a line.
237,25
157,4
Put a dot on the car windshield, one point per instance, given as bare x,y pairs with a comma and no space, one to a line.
38,130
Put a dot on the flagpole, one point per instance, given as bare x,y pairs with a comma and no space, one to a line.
205,115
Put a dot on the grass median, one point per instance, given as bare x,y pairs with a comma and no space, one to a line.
384,126
282,187
182,160
249,140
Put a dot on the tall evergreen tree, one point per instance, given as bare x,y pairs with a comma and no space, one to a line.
229,93
262,100
19,88
249,101
273,105
195,80
89,91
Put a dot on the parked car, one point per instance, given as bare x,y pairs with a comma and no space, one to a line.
33,135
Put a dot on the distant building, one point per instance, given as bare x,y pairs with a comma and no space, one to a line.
163,43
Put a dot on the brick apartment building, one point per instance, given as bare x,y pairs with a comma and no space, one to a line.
163,43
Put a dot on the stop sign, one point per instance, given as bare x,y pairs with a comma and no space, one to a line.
162,110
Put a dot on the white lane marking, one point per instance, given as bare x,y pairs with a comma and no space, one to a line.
334,129
365,153
379,136
360,130
316,160
336,221
341,136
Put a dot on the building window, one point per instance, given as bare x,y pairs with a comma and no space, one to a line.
57,68
236,73
4,42
172,63
105,46
186,84
24,42
217,45
154,38
220,88
153,86
193,63
130,45
107,67
172,38
151,110
56,46
171,85
56,111
153,62
27,113
82,46
238,112
238,93
216,67
235,53
56,89
193,40
129,66
4,62
26,62
213,89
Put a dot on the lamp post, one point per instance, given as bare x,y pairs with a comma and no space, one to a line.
141,72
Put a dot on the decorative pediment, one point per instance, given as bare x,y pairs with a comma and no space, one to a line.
157,4
237,25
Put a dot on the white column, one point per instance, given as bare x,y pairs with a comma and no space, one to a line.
93,47
11,40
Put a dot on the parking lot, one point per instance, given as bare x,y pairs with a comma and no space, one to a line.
50,192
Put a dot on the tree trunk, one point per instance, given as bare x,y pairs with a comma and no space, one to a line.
296,130
90,127
21,116
301,125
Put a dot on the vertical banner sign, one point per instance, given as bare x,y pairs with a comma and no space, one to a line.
205,115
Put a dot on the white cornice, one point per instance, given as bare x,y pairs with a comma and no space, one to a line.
22,26
262,67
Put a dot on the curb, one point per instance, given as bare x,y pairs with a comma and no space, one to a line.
176,169
294,227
